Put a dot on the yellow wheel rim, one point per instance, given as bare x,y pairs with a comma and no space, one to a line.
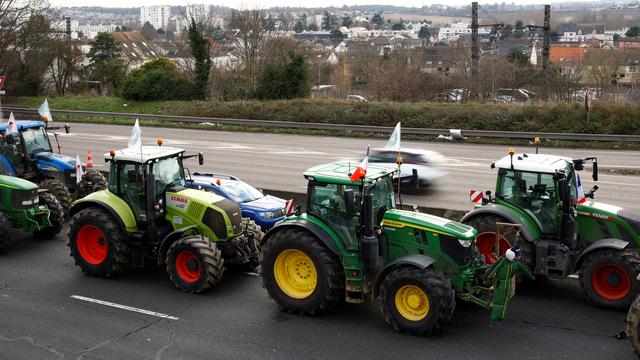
412,303
295,273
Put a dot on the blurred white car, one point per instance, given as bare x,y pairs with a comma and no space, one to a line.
356,98
420,168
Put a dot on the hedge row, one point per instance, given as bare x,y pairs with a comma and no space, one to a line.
605,118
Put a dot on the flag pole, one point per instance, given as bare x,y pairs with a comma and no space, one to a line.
399,162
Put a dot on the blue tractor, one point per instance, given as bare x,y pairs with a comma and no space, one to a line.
265,210
30,155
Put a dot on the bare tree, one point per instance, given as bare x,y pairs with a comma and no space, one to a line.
250,41
65,63
14,14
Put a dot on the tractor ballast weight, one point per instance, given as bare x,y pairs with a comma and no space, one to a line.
352,244
563,231
147,213
30,155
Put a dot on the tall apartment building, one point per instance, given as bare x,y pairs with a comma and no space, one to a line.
158,16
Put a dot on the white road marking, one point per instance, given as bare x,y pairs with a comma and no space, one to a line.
124,307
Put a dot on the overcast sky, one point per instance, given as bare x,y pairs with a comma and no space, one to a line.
269,3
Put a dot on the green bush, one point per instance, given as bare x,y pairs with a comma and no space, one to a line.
156,80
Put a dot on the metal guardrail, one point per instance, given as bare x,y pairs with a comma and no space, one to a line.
335,127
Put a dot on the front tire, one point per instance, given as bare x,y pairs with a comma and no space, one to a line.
97,243
194,264
60,191
56,217
608,278
92,181
5,232
416,301
300,274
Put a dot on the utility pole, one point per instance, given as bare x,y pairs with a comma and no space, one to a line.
547,34
475,49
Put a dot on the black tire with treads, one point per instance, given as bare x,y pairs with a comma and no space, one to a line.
629,260
56,217
60,191
633,326
6,232
209,261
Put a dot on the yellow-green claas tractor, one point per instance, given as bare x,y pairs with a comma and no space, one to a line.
147,214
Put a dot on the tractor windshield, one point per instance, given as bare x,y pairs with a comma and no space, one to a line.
168,172
36,140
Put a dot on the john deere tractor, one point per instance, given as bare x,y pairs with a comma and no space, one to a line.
29,155
23,206
563,232
147,214
352,244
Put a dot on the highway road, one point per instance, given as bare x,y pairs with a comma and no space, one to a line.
276,161
51,311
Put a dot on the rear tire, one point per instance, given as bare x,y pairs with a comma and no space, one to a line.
486,226
416,301
633,326
92,181
97,243
194,264
60,191
608,278
5,232
56,217
300,274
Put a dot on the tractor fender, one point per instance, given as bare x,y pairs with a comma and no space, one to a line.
490,210
415,260
81,205
170,239
315,229
615,244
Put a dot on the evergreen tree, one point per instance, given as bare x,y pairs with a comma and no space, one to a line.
200,50
103,48
346,21
633,31
148,31
298,27
378,21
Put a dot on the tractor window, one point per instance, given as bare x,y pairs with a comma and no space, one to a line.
36,140
168,172
327,202
534,193
132,192
383,196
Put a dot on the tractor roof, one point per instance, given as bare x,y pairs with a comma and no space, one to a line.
143,154
535,163
339,172
22,124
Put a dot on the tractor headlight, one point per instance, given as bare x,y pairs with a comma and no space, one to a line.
30,202
465,243
267,215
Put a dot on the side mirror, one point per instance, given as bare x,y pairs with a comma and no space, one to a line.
595,170
349,199
10,139
132,176
200,158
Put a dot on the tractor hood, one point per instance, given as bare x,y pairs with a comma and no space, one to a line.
15,183
598,210
47,161
401,218
595,207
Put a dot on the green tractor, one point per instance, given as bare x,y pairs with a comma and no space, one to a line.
23,206
563,231
147,214
353,244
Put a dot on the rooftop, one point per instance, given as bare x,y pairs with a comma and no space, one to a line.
535,163
339,172
144,153
22,124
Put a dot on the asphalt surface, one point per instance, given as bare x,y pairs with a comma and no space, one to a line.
236,320
277,161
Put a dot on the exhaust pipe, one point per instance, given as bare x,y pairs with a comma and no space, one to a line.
368,240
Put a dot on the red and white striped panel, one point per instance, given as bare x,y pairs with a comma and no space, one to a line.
289,207
475,196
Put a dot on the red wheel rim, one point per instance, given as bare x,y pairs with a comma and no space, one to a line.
188,266
486,243
91,244
611,282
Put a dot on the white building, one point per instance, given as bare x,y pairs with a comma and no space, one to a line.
460,29
158,16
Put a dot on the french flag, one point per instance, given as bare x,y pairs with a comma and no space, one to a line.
581,197
361,170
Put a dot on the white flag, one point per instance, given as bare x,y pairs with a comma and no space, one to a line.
12,128
394,140
135,141
44,111
79,171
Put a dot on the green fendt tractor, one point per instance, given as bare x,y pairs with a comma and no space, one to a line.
23,206
147,213
562,234
352,244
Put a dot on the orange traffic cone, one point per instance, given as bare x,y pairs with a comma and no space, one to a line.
89,160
